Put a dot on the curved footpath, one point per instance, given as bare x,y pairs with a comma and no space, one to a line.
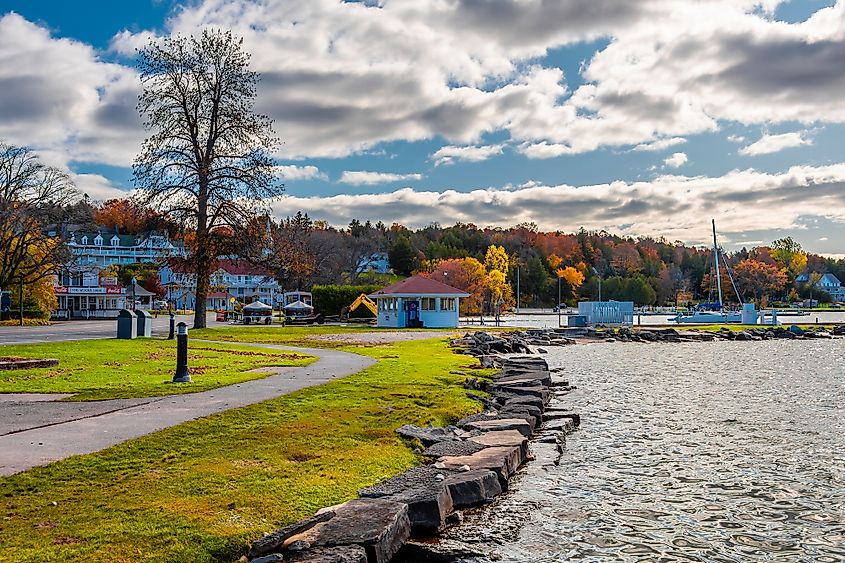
34,433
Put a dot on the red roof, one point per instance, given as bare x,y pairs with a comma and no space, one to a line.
419,285
219,294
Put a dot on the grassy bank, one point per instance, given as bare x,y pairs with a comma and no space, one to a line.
110,369
201,491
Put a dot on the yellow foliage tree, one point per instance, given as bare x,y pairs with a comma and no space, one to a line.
572,277
496,259
554,261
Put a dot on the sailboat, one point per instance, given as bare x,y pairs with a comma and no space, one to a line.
713,313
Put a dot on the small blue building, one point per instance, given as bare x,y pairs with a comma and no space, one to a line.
418,302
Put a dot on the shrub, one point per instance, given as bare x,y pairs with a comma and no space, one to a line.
330,299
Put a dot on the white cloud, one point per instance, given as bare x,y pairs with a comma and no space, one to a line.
293,172
58,96
774,143
341,77
677,160
363,178
741,201
97,187
450,154
544,150
660,144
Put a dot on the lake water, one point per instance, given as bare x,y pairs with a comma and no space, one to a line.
549,320
712,451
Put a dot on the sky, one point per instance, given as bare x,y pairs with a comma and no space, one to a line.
646,118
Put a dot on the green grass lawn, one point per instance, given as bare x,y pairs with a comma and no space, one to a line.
203,490
110,369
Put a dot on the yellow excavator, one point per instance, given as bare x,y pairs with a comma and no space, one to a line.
362,300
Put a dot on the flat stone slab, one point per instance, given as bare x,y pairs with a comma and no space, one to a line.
473,487
503,461
519,424
422,489
380,526
27,363
541,377
340,554
503,438
452,447
273,542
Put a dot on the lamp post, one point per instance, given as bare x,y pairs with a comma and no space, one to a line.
182,375
133,283
558,302
596,272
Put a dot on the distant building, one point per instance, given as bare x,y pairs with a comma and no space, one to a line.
607,312
828,283
418,302
376,262
85,294
230,278
104,248
81,290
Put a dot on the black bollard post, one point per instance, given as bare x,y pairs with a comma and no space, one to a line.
182,375
172,326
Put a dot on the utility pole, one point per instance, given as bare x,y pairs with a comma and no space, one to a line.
558,302
517,289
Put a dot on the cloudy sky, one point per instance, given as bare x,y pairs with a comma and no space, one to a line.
645,117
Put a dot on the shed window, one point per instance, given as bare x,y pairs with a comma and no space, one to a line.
447,303
428,304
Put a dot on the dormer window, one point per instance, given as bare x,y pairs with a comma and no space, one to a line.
84,239
115,241
98,240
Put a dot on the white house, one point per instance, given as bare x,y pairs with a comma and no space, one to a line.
234,278
418,302
828,283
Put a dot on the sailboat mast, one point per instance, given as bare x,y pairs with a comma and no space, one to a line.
716,255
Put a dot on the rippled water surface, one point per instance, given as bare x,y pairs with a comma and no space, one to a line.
715,451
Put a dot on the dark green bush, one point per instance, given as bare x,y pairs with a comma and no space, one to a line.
330,299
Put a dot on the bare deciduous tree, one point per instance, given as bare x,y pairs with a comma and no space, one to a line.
32,194
207,162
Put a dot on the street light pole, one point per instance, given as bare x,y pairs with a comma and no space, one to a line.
133,283
558,302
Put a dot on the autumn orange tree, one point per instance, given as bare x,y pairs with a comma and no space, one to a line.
466,274
759,279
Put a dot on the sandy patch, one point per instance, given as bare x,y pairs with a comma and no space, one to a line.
380,337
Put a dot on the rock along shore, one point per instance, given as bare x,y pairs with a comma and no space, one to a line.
468,465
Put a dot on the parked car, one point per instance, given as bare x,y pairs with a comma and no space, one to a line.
160,304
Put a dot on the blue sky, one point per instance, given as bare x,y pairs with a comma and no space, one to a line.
643,118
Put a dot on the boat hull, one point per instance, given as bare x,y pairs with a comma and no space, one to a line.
707,317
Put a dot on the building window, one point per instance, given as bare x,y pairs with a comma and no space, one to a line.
428,304
447,303
85,239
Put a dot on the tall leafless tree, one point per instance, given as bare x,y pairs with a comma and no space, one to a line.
207,162
32,195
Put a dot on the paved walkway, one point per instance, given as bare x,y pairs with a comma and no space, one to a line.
34,433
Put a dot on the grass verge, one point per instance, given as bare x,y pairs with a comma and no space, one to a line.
202,490
112,369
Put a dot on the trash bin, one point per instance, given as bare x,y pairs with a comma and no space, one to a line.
577,320
221,315
145,323
127,327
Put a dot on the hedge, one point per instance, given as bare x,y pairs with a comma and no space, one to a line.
330,299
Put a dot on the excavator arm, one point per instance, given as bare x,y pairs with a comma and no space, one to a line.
366,302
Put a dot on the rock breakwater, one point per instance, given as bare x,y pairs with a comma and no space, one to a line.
468,464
